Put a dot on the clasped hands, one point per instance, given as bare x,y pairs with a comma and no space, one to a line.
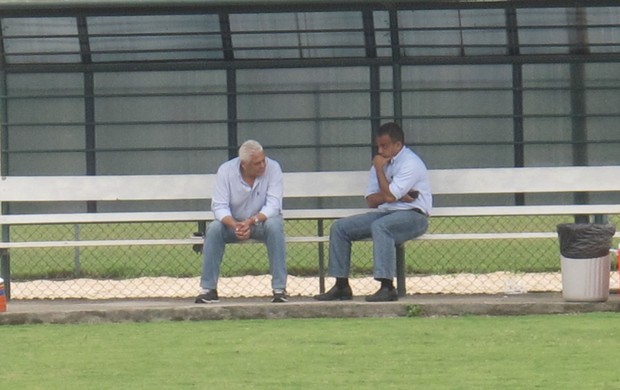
242,229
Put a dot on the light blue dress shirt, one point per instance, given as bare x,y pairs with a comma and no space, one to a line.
405,172
233,196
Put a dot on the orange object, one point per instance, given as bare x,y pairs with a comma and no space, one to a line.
618,265
2,296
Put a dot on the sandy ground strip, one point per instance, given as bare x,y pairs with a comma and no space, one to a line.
256,286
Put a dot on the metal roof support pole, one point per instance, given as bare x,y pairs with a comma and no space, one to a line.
231,86
4,131
517,95
5,260
578,41
89,104
375,80
396,67
578,44
231,91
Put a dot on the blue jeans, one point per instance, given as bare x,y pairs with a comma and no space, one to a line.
386,230
271,232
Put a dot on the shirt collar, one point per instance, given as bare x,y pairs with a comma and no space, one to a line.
396,158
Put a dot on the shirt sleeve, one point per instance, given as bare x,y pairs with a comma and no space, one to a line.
220,201
275,190
373,183
405,178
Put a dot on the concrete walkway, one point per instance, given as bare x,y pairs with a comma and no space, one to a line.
85,311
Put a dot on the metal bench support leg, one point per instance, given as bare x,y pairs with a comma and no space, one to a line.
400,270
5,271
321,254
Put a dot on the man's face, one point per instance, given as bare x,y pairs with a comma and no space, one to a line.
386,147
256,166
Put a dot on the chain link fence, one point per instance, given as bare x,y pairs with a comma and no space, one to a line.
432,266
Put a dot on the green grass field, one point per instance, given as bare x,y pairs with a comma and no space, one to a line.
528,352
423,257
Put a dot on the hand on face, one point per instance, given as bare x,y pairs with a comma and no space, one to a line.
386,150
380,161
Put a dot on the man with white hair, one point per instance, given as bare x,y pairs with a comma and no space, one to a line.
247,203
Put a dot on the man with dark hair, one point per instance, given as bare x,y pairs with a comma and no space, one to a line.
247,203
400,192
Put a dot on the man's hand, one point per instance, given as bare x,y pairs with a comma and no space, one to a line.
410,196
379,162
242,230
384,195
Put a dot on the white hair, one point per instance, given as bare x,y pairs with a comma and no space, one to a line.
248,149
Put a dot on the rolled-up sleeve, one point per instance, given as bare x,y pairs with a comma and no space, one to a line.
275,190
220,201
404,180
373,183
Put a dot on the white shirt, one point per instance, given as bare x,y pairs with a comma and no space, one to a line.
233,196
405,172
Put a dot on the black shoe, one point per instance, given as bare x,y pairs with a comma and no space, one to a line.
336,294
279,296
209,297
384,294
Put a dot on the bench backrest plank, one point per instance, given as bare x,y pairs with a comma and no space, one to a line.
306,184
526,180
165,187
105,188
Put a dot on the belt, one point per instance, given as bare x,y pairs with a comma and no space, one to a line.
419,211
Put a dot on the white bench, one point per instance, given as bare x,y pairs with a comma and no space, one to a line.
459,182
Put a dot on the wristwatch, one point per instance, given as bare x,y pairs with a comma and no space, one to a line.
256,220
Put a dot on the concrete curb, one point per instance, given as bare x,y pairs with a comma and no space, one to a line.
81,311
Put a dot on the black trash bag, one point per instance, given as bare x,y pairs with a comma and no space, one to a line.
585,241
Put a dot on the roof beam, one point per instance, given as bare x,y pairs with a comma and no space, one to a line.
28,8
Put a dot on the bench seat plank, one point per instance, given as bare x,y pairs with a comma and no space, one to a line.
289,239
140,242
195,216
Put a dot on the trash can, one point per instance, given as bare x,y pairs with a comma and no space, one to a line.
585,261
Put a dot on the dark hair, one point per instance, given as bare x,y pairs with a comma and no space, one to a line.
393,130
